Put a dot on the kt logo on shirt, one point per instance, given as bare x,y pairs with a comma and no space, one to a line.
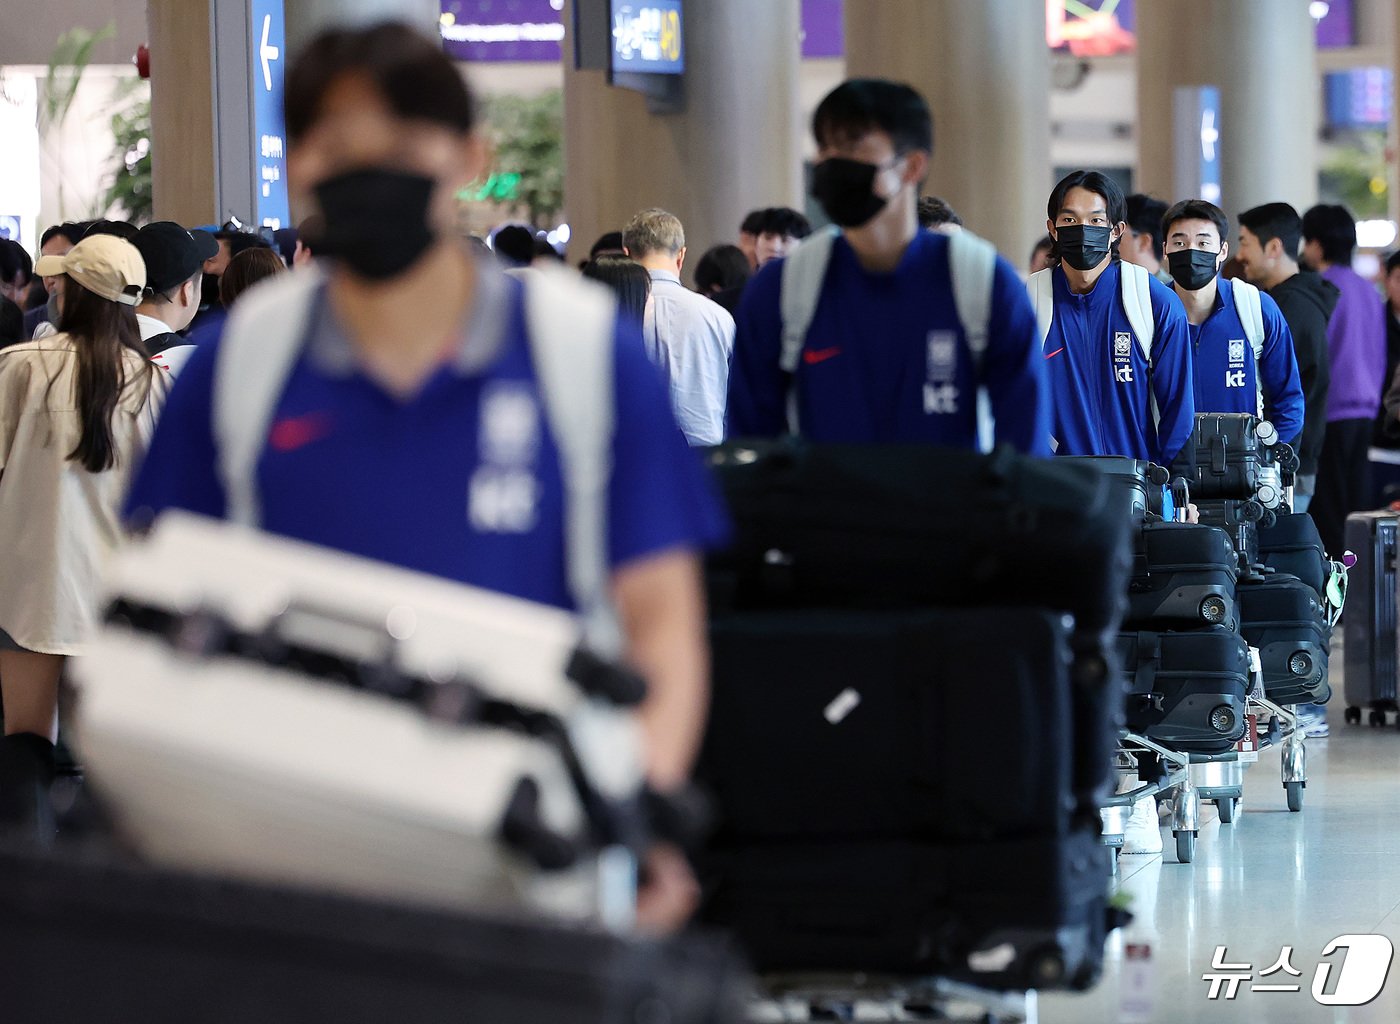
1122,357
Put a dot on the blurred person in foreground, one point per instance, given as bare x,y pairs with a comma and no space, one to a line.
415,396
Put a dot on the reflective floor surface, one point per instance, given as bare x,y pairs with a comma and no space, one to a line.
1269,880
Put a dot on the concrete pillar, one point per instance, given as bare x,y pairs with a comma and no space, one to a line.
182,112
1262,55
984,67
735,147
307,17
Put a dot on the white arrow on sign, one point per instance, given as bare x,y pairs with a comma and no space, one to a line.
267,53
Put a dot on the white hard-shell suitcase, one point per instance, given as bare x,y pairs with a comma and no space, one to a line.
264,708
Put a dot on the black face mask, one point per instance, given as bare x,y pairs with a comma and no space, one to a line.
846,191
376,221
209,291
1193,269
1084,246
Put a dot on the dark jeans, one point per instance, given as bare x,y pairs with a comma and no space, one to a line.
1343,480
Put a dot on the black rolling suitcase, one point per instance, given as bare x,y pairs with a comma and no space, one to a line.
1284,618
1235,455
1241,519
864,724
899,526
1292,544
1370,619
86,938
1187,691
1145,482
849,835
1009,913
1183,577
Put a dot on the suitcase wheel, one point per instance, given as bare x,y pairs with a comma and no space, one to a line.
1353,716
1185,846
1294,791
1376,719
1227,807
1214,609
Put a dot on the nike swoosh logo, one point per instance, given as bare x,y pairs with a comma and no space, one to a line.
1057,351
820,355
294,432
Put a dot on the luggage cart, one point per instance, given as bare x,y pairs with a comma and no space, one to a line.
791,998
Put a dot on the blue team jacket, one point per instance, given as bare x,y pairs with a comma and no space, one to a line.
1227,378
886,359
1102,390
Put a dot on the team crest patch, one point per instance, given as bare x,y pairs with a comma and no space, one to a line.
1237,351
942,351
1122,344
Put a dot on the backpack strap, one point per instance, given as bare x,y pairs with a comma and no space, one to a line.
804,270
256,353
1249,308
972,265
571,326
1136,288
1137,304
1041,288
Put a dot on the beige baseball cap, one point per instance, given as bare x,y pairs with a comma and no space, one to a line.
103,264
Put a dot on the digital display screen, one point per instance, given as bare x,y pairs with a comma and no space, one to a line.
1359,98
647,37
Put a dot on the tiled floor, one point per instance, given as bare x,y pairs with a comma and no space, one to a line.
1271,879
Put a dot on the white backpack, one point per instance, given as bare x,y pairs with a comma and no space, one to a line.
1136,291
1251,314
972,264
570,324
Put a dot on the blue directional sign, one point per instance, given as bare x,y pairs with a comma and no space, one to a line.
647,37
268,51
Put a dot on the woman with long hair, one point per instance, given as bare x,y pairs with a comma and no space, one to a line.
76,411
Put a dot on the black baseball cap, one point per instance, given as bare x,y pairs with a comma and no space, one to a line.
172,254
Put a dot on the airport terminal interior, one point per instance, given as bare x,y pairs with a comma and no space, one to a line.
699,511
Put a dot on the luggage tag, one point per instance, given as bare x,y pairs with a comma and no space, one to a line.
1248,746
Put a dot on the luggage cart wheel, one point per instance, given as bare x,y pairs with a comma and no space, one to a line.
1227,807
1295,795
1376,719
1185,846
1353,716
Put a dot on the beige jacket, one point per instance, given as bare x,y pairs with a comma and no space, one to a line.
60,523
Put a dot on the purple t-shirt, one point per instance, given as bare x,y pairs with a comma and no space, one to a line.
1356,347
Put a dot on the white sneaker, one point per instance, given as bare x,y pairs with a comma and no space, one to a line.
1141,833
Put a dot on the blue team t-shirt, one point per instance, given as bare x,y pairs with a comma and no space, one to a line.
886,358
1106,399
461,480
1226,375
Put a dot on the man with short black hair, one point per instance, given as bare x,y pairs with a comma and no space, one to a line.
1240,343
881,353
779,229
687,335
748,235
1268,254
1143,242
174,261
1356,350
936,215
1116,341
